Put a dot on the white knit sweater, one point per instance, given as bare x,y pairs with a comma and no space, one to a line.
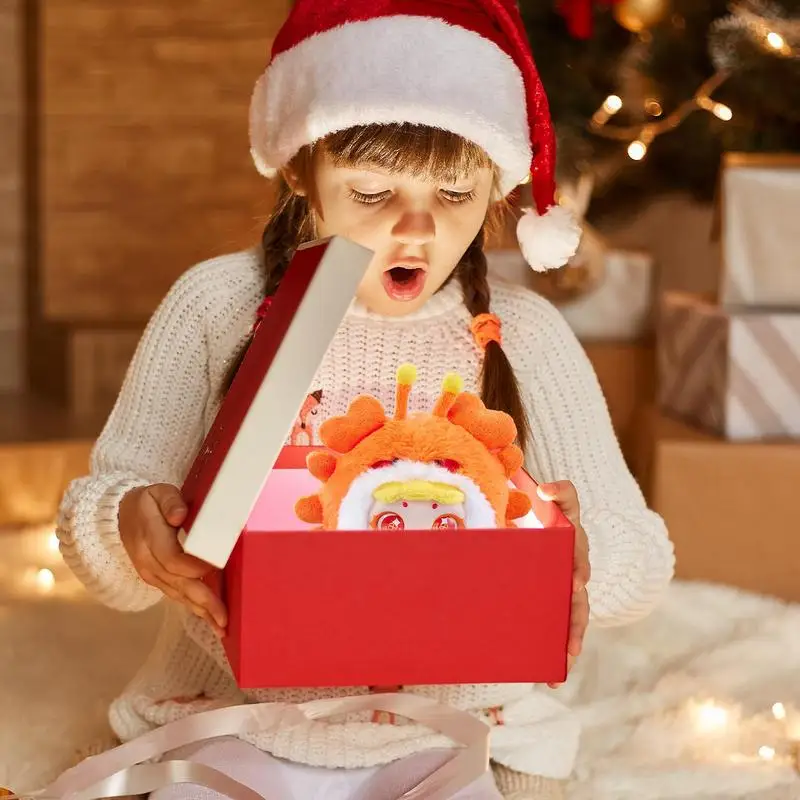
169,399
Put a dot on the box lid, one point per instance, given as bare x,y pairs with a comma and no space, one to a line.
258,412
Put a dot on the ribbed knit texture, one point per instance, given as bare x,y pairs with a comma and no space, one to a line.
168,401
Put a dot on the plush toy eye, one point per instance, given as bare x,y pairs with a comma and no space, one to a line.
448,464
389,521
447,522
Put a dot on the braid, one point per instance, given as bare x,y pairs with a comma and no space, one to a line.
290,225
500,389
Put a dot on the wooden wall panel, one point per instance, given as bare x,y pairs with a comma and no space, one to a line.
11,195
145,156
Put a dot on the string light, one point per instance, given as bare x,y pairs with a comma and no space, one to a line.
711,717
637,150
779,711
653,108
639,139
776,41
45,580
52,542
766,752
719,110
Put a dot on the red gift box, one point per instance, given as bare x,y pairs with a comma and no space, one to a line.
357,608
366,608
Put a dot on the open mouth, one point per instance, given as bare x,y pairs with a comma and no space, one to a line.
404,283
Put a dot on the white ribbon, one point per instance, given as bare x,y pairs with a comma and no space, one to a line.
121,771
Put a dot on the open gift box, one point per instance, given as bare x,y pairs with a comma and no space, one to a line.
386,608
322,608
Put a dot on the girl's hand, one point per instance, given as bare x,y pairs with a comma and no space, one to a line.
566,496
149,519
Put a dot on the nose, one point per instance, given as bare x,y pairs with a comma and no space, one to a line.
414,227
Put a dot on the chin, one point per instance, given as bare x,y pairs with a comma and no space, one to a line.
378,302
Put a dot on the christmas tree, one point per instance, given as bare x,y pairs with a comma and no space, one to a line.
648,94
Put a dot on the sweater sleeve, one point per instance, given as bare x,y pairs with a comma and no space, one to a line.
150,437
631,555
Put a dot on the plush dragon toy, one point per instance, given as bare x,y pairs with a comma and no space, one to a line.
447,469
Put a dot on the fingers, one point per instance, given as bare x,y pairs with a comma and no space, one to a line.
565,495
579,621
582,573
168,552
191,592
201,596
170,503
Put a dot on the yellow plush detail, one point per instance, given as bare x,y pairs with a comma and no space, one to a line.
452,383
406,374
418,490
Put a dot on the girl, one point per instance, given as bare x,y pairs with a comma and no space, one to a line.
400,125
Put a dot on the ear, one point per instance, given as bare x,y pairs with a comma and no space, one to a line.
511,458
519,504
293,181
342,434
321,464
309,509
494,429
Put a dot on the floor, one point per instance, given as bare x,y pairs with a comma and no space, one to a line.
680,706
64,657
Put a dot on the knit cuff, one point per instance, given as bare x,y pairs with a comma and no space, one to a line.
632,562
88,530
521,786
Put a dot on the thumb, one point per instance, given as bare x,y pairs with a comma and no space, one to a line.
170,503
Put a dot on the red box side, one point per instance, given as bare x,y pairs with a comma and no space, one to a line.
359,608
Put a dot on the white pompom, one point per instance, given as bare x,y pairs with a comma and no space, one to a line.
548,241
262,166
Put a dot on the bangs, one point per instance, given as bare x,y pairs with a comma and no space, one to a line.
423,151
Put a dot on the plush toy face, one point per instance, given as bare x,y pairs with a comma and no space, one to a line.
445,470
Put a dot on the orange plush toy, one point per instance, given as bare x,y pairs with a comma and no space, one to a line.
444,470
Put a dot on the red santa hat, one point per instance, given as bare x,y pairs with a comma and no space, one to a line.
460,65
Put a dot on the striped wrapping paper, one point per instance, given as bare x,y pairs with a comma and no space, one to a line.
735,372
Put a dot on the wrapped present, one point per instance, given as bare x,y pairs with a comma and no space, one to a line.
373,561
267,394
759,201
728,505
735,372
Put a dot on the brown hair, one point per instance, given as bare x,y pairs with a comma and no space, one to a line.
423,151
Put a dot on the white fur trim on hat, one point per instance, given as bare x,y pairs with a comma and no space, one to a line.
548,241
355,506
401,68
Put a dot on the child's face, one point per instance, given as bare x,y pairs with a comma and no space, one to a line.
418,228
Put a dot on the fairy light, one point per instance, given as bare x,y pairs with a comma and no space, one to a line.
712,717
766,752
52,542
779,711
776,41
612,104
637,150
721,111
45,580
653,107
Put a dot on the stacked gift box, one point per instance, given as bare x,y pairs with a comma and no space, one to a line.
721,458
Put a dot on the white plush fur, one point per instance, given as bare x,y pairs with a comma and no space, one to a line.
393,69
548,241
354,510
